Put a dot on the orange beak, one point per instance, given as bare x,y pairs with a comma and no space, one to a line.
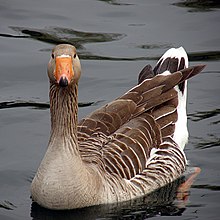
64,70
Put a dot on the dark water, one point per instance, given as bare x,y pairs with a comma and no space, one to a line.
115,39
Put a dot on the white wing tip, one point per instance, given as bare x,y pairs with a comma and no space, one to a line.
176,53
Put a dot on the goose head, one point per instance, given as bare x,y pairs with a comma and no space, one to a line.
64,67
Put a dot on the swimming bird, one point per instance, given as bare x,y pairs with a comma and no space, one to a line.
121,151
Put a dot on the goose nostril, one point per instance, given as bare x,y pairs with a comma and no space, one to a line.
63,82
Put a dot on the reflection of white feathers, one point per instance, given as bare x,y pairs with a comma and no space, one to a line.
181,131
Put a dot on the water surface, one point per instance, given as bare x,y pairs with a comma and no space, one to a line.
115,40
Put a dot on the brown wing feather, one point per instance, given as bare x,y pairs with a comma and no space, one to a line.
133,143
111,116
120,136
146,95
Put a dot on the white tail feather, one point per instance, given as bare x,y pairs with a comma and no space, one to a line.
181,131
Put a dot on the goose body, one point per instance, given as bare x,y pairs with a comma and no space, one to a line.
121,151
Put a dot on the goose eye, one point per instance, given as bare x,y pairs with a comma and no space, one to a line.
74,56
52,55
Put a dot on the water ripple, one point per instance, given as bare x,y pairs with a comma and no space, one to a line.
210,142
207,186
7,205
201,115
59,35
113,2
38,105
198,5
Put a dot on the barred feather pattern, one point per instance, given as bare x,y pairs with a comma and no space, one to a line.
130,139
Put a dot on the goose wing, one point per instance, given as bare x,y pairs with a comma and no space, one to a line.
122,135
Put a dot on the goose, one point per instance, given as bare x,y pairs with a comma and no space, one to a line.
121,151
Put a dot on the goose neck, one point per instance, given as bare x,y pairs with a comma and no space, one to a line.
64,110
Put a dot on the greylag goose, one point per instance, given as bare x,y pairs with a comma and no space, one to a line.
123,150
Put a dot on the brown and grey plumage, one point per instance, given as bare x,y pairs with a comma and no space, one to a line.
121,151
